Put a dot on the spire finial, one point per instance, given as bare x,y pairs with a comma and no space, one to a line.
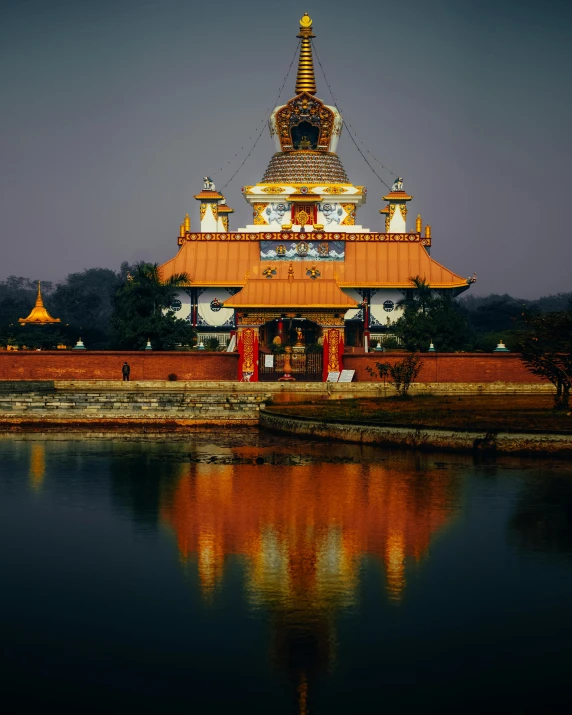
306,79
39,301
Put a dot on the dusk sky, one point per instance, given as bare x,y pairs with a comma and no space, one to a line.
112,111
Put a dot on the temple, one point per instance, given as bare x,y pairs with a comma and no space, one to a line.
304,279
39,315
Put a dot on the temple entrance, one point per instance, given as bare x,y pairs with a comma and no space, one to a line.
293,341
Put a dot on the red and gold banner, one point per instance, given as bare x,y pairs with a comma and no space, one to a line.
248,355
333,351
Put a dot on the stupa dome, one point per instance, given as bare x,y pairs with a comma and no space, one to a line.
297,167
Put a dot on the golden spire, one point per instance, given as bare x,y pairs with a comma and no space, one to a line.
306,79
39,315
418,224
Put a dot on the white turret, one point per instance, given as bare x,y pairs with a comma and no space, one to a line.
396,210
209,198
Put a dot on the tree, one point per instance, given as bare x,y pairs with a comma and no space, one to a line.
431,317
545,346
142,310
418,298
84,302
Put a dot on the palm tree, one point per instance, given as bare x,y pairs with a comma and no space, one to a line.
144,293
418,298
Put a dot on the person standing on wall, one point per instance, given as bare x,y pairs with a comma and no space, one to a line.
125,370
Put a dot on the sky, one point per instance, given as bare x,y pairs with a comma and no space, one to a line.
113,111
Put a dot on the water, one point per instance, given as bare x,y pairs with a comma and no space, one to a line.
184,577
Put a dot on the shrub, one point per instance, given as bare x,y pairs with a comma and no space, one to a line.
212,343
401,374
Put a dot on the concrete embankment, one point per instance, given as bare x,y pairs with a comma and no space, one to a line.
421,438
61,409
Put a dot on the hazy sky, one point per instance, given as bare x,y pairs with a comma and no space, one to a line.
112,111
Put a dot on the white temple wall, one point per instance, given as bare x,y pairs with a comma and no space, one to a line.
383,307
209,314
353,313
184,311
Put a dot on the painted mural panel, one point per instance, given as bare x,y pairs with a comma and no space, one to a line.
302,250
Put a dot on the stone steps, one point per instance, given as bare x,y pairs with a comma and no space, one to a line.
140,404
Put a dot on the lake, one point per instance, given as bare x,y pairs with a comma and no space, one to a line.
238,572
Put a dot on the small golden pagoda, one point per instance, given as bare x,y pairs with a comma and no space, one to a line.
39,315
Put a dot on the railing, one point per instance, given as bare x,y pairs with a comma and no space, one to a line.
305,367
222,338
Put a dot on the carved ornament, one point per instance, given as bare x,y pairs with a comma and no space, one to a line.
314,236
304,108
350,210
324,318
259,219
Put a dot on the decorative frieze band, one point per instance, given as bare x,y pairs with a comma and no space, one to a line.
314,235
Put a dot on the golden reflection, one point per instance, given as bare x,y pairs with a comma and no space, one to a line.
303,695
304,529
37,469
302,532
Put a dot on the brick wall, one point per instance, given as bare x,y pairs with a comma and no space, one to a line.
106,365
451,367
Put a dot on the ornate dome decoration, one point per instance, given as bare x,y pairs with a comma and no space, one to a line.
305,167
304,123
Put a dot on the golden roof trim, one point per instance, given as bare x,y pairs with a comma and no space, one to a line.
381,284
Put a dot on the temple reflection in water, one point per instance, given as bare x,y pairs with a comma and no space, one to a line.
302,532
304,529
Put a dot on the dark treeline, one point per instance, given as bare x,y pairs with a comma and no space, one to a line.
501,317
89,304
83,302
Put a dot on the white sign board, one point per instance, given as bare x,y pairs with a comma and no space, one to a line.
333,377
269,361
347,375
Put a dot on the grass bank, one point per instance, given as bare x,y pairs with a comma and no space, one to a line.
527,413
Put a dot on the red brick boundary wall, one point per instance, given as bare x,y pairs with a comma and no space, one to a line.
450,367
106,365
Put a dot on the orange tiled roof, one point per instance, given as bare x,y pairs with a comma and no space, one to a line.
296,293
214,263
397,195
206,194
392,265
367,265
